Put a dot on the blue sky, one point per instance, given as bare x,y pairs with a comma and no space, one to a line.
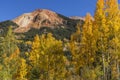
9,9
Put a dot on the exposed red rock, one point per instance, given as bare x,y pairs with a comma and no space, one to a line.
37,19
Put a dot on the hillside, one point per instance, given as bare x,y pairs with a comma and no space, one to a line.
42,21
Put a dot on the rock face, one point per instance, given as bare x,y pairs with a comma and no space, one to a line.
39,18
42,21
77,18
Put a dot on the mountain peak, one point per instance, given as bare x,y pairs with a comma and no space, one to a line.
42,10
37,19
40,18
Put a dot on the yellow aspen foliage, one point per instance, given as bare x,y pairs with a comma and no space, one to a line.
47,58
83,47
22,71
15,54
102,36
35,51
99,12
113,22
88,41
76,36
10,65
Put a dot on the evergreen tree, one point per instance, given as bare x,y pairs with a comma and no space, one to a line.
9,42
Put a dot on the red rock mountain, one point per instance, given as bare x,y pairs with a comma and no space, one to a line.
40,18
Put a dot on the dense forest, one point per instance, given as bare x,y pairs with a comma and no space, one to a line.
92,53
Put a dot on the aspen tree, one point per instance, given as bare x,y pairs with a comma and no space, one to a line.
22,70
102,31
113,22
83,48
47,58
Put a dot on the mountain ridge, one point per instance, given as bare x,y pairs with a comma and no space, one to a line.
41,21
42,18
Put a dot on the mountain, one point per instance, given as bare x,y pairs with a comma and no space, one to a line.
42,18
42,21
38,18
77,18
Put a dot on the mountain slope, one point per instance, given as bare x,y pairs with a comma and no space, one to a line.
43,21
41,18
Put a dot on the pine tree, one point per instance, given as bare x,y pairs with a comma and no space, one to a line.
9,42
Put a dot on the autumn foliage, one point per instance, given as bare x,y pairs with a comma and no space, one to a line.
92,53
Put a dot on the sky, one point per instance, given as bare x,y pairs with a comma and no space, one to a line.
10,9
